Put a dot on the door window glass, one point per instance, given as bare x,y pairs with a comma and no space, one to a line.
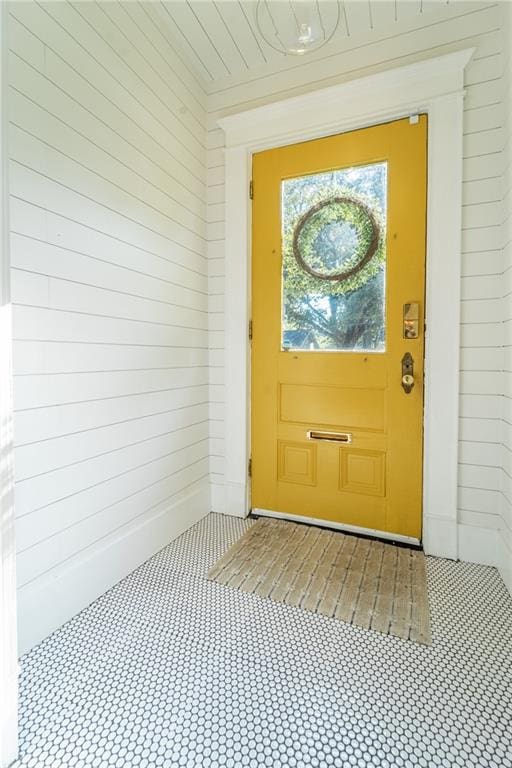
334,260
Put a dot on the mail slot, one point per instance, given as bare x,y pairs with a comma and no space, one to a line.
330,437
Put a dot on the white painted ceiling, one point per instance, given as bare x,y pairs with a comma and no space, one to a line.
221,40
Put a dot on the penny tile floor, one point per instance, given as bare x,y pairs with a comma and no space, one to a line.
168,669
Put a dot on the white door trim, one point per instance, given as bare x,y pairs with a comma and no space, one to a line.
434,86
8,633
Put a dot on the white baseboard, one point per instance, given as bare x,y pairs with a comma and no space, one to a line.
49,602
236,499
229,499
218,498
440,536
478,545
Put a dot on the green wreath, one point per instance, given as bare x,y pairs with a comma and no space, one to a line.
345,209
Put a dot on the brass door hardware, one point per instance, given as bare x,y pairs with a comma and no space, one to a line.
411,319
407,372
331,437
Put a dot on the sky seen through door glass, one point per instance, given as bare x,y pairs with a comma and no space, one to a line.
334,314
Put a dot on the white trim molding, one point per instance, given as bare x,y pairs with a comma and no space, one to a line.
436,87
8,623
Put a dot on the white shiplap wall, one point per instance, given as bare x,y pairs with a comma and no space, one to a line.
461,25
505,526
109,285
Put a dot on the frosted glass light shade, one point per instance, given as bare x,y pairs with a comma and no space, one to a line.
296,28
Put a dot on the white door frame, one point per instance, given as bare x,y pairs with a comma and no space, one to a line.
8,633
434,86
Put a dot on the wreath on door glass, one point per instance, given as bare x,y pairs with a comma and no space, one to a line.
338,210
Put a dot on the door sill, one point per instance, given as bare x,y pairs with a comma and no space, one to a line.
372,532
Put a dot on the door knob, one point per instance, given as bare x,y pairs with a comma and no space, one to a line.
407,373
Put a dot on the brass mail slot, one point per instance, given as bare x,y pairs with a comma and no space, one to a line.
331,437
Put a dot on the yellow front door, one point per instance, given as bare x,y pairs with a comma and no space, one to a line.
338,283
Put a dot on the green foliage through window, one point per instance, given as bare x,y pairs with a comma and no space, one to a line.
331,314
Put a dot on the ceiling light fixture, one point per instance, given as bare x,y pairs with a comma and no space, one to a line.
296,28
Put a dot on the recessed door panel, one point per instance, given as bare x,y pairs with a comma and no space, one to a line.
363,471
361,408
297,463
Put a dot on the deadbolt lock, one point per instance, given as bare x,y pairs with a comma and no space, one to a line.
411,320
407,373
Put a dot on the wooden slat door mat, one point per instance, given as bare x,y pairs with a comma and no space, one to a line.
364,582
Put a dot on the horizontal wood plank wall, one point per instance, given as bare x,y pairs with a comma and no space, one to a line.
505,527
468,25
110,297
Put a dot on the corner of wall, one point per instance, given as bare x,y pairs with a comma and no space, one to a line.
504,533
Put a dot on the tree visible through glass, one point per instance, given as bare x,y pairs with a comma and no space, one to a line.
334,217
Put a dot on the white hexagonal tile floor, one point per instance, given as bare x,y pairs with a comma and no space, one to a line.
169,670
